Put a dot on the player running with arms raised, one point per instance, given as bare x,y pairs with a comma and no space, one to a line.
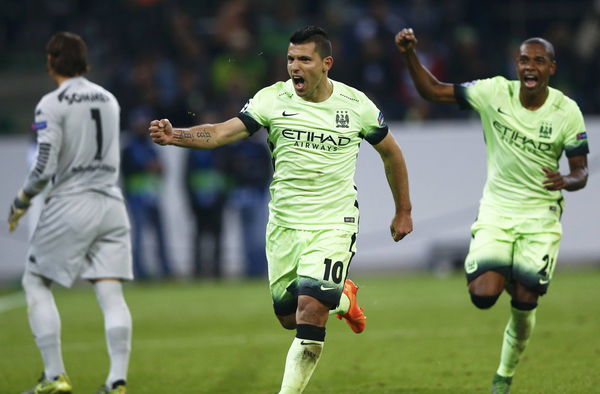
527,125
315,126
83,229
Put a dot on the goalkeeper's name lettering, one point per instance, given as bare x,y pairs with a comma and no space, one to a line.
101,167
82,97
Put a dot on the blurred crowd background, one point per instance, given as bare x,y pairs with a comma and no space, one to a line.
197,61
194,59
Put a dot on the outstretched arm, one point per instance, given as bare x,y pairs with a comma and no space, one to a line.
397,176
428,86
205,136
575,180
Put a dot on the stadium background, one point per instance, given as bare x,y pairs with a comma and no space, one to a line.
186,59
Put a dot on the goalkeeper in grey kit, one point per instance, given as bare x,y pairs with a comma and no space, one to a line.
83,230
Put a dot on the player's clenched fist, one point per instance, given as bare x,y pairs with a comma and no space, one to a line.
406,40
401,226
161,131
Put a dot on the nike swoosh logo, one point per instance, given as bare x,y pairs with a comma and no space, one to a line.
502,112
544,281
286,114
326,288
308,343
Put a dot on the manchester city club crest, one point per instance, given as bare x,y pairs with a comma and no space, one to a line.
546,130
342,119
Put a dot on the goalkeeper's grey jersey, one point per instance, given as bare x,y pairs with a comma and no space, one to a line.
77,129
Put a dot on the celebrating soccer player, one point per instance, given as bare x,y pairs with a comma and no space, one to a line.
83,229
515,239
315,126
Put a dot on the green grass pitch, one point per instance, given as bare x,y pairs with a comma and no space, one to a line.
422,336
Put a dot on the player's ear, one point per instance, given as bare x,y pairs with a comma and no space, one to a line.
552,67
327,63
49,68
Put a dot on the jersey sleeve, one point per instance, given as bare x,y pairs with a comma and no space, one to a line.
474,94
255,113
373,126
576,141
47,125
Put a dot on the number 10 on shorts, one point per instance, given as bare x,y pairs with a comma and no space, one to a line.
333,271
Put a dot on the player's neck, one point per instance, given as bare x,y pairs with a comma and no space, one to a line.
533,101
60,79
322,93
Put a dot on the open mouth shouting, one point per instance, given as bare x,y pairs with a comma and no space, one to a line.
530,81
298,83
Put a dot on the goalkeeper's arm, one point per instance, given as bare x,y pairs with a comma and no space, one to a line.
17,209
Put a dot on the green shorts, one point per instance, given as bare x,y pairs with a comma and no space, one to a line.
307,262
524,250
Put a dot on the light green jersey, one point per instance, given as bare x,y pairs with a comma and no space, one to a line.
314,148
521,142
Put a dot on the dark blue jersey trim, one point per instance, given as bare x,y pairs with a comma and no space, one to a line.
579,150
460,94
251,125
377,135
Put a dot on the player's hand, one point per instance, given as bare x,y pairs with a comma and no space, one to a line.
161,131
401,226
406,40
18,209
554,180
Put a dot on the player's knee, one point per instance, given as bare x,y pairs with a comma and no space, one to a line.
31,282
36,288
25,281
484,302
523,306
312,311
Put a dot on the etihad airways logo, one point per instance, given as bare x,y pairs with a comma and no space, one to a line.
315,140
517,139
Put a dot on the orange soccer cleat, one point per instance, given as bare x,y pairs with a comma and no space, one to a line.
355,317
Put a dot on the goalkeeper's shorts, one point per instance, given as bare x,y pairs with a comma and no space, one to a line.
85,235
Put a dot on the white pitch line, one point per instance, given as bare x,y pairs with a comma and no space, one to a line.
12,301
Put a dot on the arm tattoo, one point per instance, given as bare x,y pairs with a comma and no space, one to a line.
189,135
203,134
181,135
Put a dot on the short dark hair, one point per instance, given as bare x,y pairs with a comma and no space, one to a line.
313,34
68,54
547,44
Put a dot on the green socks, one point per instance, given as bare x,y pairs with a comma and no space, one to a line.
516,336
